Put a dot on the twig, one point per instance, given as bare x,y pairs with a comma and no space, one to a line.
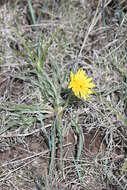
10,135
93,23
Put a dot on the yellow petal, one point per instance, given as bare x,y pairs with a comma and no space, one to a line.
71,75
82,85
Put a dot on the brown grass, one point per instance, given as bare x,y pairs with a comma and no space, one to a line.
44,129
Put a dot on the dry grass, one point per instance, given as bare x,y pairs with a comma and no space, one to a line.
49,139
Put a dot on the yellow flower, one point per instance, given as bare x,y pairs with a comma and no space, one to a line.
81,84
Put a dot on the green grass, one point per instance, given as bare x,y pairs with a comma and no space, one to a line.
49,138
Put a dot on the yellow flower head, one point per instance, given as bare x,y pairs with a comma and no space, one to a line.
81,84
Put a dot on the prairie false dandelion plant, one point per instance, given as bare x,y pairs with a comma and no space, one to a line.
81,85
